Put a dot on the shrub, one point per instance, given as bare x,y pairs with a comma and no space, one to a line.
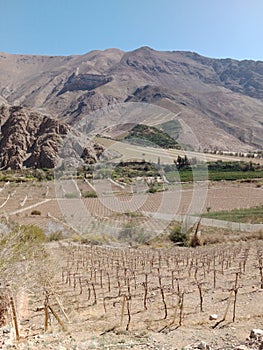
23,241
89,194
131,233
29,233
93,239
178,236
55,236
76,238
152,189
35,212
71,195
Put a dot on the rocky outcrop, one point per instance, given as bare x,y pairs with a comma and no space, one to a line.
84,82
92,153
31,139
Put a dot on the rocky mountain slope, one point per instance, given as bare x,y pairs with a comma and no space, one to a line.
221,100
35,140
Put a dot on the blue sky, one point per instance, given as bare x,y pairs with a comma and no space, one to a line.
214,28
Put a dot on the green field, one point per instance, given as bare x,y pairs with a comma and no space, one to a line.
213,175
250,215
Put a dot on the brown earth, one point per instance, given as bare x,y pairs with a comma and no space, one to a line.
89,284
220,100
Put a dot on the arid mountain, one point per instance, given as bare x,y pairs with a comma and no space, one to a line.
221,100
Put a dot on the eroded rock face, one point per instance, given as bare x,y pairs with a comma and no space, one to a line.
84,82
34,140
46,145
92,153
29,138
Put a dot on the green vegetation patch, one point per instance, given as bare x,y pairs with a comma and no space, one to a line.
89,194
249,215
134,169
149,135
214,171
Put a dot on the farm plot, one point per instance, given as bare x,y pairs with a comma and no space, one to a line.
106,289
154,210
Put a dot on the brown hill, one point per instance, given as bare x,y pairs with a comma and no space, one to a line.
221,100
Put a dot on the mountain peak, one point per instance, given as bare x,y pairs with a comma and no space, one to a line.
220,99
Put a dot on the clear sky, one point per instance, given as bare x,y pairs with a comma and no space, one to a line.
214,28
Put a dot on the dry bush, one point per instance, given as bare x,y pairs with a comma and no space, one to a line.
35,212
20,251
93,239
195,241
55,236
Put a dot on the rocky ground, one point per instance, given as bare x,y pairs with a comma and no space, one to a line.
221,340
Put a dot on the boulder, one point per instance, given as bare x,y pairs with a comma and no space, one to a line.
213,317
256,333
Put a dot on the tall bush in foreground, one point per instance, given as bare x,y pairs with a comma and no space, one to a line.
178,236
21,256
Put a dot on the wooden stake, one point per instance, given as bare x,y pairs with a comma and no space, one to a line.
145,292
46,317
122,308
14,317
226,311
57,317
235,298
181,309
199,286
129,313
162,294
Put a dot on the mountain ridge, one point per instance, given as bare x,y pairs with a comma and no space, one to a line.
221,100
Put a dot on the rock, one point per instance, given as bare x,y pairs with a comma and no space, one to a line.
256,333
24,322
213,317
29,138
9,343
84,82
34,140
241,347
202,346
91,153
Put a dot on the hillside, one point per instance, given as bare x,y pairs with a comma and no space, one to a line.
221,100
151,136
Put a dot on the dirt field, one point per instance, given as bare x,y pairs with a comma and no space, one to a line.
17,201
107,297
123,298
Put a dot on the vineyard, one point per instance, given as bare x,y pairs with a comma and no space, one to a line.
117,293
103,290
